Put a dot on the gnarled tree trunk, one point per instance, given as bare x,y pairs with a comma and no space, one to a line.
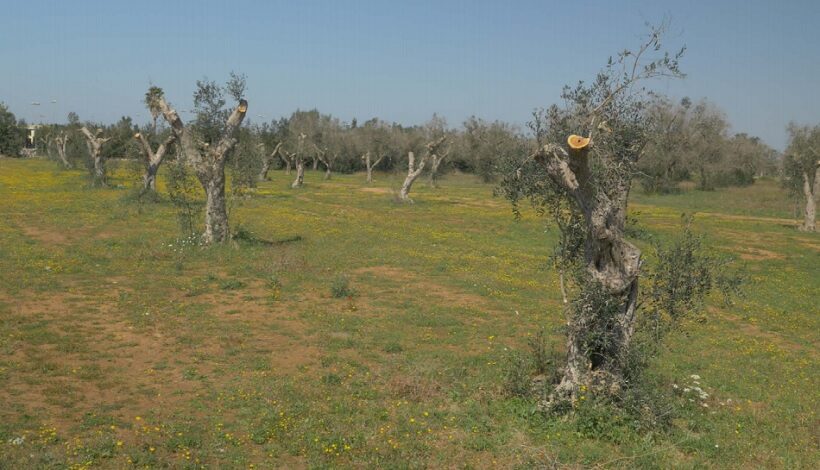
300,173
370,165
152,159
216,213
209,165
435,162
267,162
598,341
61,142
413,172
288,163
95,143
327,160
810,192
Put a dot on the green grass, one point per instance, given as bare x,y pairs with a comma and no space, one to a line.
122,345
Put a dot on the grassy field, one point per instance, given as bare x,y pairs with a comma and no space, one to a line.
121,345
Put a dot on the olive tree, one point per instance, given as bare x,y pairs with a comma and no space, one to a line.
376,141
801,168
206,143
415,167
707,140
272,137
153,158
305,129
484,145
437,128
668,145
296,157
581,173
95,143
61,142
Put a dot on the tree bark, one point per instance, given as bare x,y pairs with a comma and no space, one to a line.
95,143
327,160
810,194
612,267
413,172
153,159
216,213
62,142
300,173
288,164
266,164
435,162
370,165
209,164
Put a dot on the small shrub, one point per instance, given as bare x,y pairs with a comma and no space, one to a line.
231,284
517,375
543,353
275,285
331,379
341,287
393,348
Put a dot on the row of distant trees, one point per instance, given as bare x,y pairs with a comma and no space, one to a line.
691,142
687,141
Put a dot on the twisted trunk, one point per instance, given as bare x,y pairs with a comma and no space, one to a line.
598,340
287,165
62,142
300,174
267,162
435,162
810,194
152,159
95,143
413,172
209,164
327,160
370,165
216,213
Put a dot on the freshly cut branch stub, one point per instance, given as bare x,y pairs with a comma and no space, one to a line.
576,142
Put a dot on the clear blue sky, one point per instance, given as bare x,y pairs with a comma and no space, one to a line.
757,60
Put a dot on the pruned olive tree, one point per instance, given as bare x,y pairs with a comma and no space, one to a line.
296,158
95,143
437,128
61,142
801,169
414,167
273,138
581,174
270,157
206,143
153,158
376,141
337,141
